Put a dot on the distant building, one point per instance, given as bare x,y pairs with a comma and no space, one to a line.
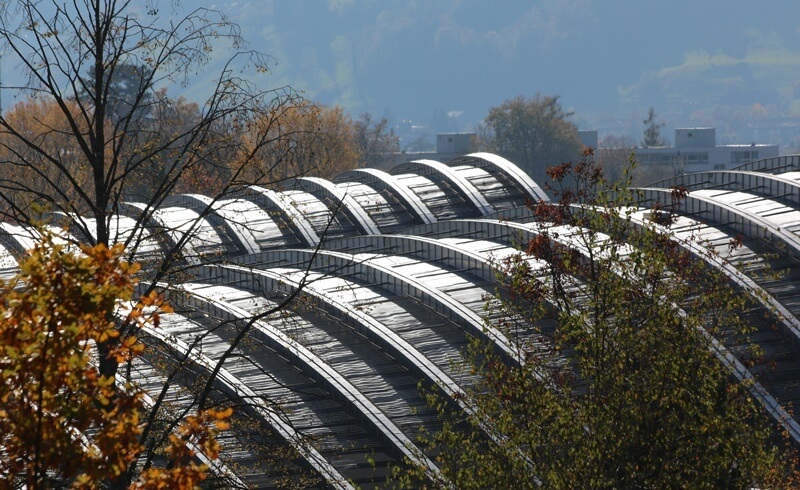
588,138
696,150
456,144
448,147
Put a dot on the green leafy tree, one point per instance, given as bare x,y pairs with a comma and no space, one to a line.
534,133
625,391
652,131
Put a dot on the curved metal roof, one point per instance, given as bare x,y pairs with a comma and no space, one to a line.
397,290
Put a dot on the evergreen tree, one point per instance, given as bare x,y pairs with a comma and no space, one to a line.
652,131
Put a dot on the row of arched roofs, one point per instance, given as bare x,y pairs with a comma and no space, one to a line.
389,274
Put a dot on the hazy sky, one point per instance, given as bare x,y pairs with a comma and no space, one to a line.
695,61
689,59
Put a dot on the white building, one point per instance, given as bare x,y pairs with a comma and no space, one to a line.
696,150
448,147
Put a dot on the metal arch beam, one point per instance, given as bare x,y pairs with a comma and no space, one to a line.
745,376
772,164
462,186
511,234
493,230
522,180
229,209
158,230
789,321
218,217
77,226
747,223
217,466
321,372
173,232
764,166
369,176
18,238
228,383
379,334
432,249
406,244
773,185
370,270
348,204
269,199
728,359
507,232
479,228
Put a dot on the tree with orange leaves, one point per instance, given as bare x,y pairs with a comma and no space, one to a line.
62,422
41,129
306,139
97,132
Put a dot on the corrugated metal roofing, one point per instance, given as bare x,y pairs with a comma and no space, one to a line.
333,376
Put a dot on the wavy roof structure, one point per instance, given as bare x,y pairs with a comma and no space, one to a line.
394,294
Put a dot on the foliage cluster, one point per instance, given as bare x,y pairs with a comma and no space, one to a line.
96,130
62,422
310,139
626,390
302,138
96,126
534,133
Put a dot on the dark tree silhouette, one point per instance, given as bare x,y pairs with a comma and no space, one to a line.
652,131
